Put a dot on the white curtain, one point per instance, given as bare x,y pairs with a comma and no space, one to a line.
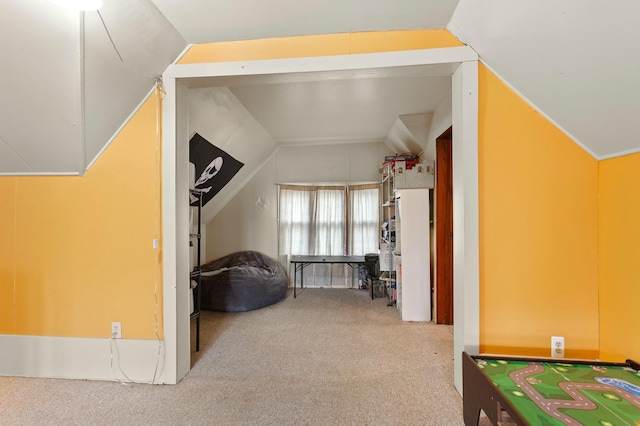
313,221
330,228
364,225
297,236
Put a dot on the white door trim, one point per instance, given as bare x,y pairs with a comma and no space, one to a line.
460,62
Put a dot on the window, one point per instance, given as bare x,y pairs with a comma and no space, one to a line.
328,220
364,225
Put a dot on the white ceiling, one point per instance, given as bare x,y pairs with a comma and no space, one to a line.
203,21
576,61
65,92
340,111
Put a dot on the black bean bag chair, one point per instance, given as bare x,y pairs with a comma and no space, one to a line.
242,281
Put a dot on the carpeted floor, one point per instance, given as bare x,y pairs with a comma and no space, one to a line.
329,357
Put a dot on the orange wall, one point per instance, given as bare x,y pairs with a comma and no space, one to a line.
7,253
321,45
538,202
83,245
619,257
538,230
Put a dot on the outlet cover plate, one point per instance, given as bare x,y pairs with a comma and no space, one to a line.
557,346
116,330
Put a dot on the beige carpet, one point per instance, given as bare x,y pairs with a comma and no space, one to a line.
329,357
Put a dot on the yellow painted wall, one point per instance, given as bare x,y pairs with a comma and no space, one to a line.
320,45
619,239
7,253
538,193
538,217
83,245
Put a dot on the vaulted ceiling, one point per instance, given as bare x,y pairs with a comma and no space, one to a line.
69,80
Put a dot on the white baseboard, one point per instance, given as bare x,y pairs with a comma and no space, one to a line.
82,358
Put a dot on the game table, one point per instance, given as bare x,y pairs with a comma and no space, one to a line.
550,391
300,261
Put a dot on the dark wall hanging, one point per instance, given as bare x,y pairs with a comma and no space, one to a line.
214,167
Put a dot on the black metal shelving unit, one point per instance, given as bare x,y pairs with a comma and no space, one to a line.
388,240
196,274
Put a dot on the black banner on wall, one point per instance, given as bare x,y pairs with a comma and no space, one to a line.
214,167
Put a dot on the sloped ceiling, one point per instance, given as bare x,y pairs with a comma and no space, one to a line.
578,62
66,90
341,111
123,58
251,116
39,82
203,21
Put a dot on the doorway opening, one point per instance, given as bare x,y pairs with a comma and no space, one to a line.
459,62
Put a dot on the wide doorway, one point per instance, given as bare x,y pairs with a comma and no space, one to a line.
460,63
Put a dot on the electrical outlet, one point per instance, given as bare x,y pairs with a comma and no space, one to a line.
557,346
116,330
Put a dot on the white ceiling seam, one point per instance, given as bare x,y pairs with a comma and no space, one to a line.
326,141
619,154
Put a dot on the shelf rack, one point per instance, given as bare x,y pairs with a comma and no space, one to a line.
195,239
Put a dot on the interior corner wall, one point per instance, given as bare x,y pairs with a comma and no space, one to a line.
619,272
538,213
80,249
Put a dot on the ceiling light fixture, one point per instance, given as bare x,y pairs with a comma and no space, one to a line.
79,5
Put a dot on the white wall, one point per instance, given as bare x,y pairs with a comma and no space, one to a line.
219,117
442,119
249,220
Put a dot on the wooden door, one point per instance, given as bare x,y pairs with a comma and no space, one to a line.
444,229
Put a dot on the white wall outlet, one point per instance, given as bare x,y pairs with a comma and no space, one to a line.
557,346
116,330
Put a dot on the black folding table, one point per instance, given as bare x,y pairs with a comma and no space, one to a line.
300,261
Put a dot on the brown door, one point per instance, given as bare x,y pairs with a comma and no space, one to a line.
444,229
